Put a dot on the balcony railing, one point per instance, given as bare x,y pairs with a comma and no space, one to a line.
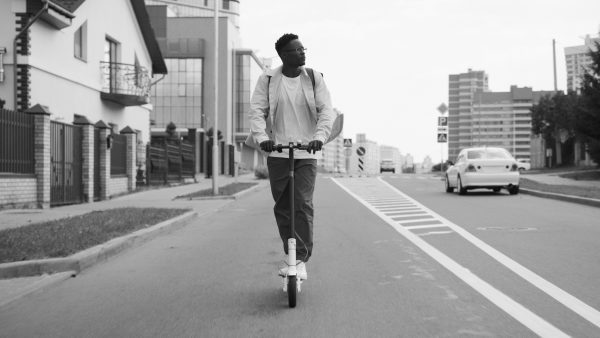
125,84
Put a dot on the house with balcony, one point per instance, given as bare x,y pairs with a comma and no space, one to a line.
86,64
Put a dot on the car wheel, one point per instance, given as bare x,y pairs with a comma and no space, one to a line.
496,189
448,187
513,189
461,190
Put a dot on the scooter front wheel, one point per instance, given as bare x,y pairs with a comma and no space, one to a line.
292,290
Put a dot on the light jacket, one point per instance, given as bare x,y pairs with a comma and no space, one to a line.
262,121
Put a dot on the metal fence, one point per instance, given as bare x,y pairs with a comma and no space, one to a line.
118,155
169,161
16,142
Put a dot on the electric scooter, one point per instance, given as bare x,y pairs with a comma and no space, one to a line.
291,282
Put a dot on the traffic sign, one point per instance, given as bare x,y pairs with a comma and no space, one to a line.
442,137
348,142
360,151
442,121
443,129
442,108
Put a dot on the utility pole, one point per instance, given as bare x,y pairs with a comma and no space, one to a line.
215,147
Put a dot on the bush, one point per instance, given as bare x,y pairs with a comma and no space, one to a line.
261,172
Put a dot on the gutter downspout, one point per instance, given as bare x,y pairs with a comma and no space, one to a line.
31,22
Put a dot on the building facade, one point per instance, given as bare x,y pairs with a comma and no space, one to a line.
577,59
83,69
77,63
461,88
392,153
185,97
503,119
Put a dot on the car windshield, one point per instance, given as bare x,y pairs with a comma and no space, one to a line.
487,154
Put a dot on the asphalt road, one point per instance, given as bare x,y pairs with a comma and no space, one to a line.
413,262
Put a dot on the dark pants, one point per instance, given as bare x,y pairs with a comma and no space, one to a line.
305,173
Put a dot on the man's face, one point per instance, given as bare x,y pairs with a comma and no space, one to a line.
292,54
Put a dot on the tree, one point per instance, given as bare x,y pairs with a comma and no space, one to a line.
588,112
554,117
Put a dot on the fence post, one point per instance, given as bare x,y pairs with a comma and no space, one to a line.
42,153
87,149
104,159
131,157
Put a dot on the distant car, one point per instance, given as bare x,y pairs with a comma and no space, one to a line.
483,168
387,165
523,164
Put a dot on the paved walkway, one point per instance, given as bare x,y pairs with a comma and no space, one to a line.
164,197
554,178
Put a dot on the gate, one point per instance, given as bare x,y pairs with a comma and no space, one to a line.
65,164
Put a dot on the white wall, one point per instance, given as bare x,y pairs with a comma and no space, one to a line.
71,86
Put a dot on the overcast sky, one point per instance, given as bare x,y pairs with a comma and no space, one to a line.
387,62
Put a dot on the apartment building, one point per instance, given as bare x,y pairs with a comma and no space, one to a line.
461,88
503,119
577,59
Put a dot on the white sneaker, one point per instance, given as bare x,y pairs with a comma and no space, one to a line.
300,270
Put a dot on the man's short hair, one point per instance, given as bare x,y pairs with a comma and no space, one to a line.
284,40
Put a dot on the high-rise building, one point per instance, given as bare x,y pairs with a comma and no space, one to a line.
460,99
503,119
577,59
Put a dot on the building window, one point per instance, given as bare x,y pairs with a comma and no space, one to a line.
178,97
226,4
110,56
80,42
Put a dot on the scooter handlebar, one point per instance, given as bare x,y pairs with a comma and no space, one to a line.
299,146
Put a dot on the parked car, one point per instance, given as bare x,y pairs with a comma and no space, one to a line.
387,165
483,168
524,164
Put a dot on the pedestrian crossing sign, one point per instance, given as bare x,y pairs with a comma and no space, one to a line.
348,142
442,137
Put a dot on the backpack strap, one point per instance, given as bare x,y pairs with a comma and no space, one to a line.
311,74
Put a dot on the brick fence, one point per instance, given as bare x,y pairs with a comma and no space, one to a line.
32,190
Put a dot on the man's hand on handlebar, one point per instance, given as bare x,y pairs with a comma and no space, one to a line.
314,146
267,146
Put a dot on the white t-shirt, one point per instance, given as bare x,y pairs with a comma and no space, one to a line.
293,118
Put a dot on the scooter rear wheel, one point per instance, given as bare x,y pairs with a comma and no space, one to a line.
292,291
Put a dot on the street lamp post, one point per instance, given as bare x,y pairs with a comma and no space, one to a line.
215,147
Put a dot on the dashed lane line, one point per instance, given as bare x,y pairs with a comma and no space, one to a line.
364,189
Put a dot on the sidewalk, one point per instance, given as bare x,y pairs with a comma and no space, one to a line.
163,197
553,178
19,286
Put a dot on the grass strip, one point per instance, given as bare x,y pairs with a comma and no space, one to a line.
226,190
66,236
580,191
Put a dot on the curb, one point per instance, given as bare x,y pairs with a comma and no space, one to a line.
258,185
89,257
568,198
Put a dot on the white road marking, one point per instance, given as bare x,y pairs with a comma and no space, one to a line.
417,227
574,304
514,309
435,233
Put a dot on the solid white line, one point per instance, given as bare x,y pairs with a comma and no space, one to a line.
514,309
571,302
